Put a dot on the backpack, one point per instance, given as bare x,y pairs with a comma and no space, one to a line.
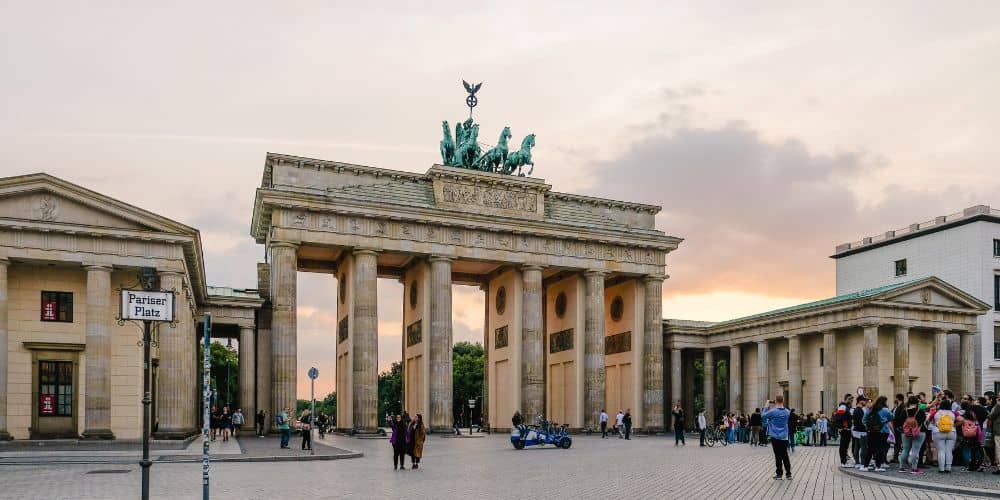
911,428
874,422
969,429
946,423
280,419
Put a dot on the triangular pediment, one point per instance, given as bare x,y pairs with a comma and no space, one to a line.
41,198
933,292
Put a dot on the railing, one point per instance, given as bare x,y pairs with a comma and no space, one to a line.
920,226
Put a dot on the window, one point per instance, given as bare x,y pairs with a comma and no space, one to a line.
996,292
996,387
55,388
788,360
821,360
57,306
996,350
996,248
901,267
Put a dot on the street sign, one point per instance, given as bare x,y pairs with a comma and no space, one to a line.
147,306
313,373
472,403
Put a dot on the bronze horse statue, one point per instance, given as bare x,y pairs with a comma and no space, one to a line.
518,159
493,159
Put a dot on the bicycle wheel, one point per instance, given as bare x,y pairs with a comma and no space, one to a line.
710,438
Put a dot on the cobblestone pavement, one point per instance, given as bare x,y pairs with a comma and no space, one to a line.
481,468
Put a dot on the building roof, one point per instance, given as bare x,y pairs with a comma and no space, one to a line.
917,229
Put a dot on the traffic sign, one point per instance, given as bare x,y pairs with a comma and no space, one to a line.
313,373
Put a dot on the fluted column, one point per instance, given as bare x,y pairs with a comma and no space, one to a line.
284,269
442,415
532,344
939,368
794,373
248,381
901,361
708,384
365,311
830,394
97,400
735,379
593,349
263,344
869,370
967,362
4,434
652,354
763,378
175,404
676,377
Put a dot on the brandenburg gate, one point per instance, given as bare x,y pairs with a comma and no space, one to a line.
572,283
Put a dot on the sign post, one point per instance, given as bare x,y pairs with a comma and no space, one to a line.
313,375
206,400
148,306
472,406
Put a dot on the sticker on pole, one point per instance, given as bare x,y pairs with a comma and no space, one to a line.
313,373
147,306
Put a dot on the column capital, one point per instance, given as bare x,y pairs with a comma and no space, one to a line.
532,267
283,244
595,273
440,258
967,332
794,336
650,278
4,261
170,272
762,342
364,251
99,267
870,324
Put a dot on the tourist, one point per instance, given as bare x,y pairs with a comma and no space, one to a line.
912,436
972,434
859,433
701,423
744,435
399,442
823,426
755,428
731,430
321,422
793,426
417,435
259,421
776,421
627,423
237,422
899,405
305,425
604,424
942,425
678,414
284,428
226,423
807,426
842,422
619,424
994,421
877,422
215,417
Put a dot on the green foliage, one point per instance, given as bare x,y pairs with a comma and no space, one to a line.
468,362
327,405
224,374
390,391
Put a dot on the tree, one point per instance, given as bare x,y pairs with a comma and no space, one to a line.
224,374
327,405
390,391
468,361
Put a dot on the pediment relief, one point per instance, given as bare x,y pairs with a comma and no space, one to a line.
934,292
47,206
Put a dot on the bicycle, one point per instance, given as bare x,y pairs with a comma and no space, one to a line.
716,435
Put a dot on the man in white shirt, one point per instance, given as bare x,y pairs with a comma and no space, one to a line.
702,425
604,424
619,424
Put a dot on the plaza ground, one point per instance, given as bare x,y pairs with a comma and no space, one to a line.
478,468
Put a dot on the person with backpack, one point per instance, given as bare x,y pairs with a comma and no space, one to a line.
897,426
942,425
842,422
877,426
994,419
912,435
286,431
972,434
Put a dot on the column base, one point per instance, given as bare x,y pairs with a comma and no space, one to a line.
442,429
175,433
654,430
367,432
97,434
5,436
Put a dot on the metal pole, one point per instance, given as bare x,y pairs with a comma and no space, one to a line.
312,412
146,402
206,401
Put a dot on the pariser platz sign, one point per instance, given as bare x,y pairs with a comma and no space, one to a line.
147,305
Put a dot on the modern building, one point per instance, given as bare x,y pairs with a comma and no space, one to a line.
963,249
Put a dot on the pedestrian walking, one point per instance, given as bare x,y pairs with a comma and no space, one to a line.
755,428
620,424
842,422
702,423
627,422
678,414
305,425
283,427
417,437
259,421
604,424
776,420
226,423
215,417
237,422
321,422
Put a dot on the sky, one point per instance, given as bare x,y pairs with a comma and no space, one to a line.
769,132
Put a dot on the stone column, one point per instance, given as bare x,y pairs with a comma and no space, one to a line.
794,373
830,394
593,349
708,385
763,379
869,371
248,381
532,344
284,268
676,377
652,355
901,361
97,400
967,361
442,412
735,379
365,342
4,434
263,345
939,368
174,405
484,410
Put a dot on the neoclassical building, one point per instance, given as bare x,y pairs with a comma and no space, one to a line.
573,317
